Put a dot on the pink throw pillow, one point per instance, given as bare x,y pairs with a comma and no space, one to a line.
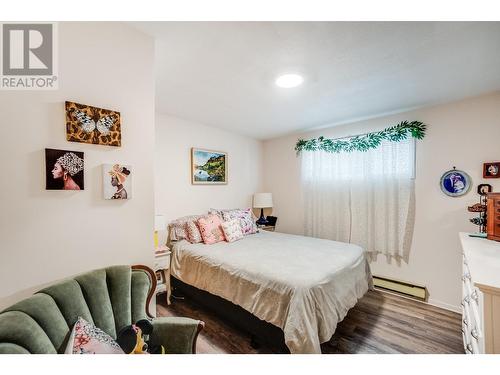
210,229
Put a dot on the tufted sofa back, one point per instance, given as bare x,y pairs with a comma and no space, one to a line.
110,298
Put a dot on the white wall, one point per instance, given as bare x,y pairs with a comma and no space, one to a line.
49,235
463,134
175,196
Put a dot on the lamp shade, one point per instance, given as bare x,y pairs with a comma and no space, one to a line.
160,222
262,200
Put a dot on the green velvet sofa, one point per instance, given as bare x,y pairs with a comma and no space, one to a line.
110,298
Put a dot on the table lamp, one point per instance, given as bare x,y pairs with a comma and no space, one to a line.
262,200
159,225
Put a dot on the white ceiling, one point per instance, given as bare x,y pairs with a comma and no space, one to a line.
222,73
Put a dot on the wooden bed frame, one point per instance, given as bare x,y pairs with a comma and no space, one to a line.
260,331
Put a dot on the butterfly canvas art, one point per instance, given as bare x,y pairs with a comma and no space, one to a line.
88,124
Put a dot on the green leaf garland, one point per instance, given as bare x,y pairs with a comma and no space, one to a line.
397,133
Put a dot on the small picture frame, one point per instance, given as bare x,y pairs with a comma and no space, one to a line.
483,189
491,170
160,278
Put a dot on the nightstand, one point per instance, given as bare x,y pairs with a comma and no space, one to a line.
162,270
269,228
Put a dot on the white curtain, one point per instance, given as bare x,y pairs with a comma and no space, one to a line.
365,198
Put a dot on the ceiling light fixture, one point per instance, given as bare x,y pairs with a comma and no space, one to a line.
289,80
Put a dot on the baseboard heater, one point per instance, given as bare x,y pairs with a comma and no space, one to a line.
407,289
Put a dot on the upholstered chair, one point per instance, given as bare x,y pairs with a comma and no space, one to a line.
110,298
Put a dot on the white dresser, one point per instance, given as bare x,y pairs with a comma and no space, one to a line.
480,295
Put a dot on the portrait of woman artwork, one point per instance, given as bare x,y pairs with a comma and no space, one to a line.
117,180
64,170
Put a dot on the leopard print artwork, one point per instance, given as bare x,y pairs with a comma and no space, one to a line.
88,124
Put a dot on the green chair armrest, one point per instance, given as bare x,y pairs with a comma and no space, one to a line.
177,335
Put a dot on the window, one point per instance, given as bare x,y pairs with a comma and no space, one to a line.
366,198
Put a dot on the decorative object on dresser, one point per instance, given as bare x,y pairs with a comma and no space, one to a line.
455,183
160,224
491,170
162,270
208,167
480,295
262,200
480,207
493,214
88,124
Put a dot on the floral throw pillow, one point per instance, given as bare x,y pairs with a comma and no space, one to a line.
247,223
232,230
210,229
177,227
193,233
88,339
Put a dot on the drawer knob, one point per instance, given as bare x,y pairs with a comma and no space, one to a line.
474,333
469,348
474,295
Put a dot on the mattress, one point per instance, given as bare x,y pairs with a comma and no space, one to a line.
303,285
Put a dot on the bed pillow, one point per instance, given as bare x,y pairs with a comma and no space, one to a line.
193,232
232,230
247,222
210,229
177,228
88,339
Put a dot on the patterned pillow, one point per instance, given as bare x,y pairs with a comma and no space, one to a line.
88,339
232,230
247,222
210,229
193,232
177,227
218,212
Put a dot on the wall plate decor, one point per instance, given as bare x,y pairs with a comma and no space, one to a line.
491,170
64,169
208,167
483,189
455,183
117,181
88,124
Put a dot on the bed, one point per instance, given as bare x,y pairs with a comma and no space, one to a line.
302,285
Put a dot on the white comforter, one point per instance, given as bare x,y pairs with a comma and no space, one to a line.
301,284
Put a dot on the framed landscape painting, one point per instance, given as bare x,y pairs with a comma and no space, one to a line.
208,167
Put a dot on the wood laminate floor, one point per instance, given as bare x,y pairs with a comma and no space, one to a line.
380,323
